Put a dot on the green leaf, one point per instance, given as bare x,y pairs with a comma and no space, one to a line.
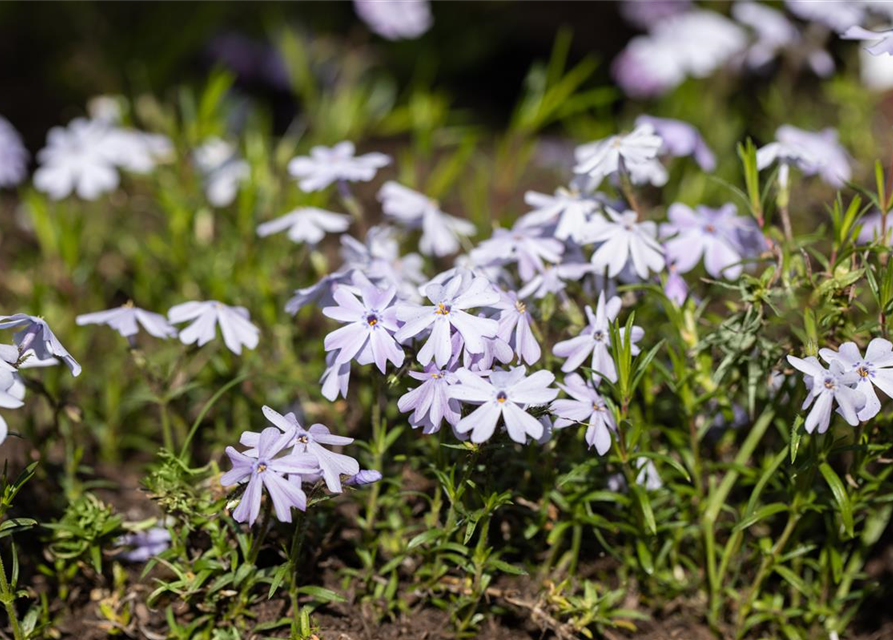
645,506
324,595
796,436
761,514
645,559
793,579
840,496
662,457
505,567
424,537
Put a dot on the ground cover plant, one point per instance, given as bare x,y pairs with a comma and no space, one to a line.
616,367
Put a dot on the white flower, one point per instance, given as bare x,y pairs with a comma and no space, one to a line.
13,155
825,386
811,152
326,165
137,151
78,158
874,370
441,232
626,152
125,320
234,324
836,14
306,224
395,19
625,239
568,211
223,170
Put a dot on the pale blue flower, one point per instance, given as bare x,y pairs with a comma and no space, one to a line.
326,165
874,370
264,470
306,224
441,232
506,395
625,239
826,386
526,247
35,335
235,324
515,327
680,139
450,302
566,213
127,319
585,407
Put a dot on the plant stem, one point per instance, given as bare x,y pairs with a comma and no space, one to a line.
258,541
294,556
378,443
8,597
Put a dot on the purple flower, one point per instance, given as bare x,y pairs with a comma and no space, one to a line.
680,139
567,211
35,335
306,224
450,302
648,13
12,388
144,544
326,165
528,247
309,441
514,327
507,394
320,293
395,19
125,320
625,239
430,402
13,155
814,153
825,387
370,325
675,287
234,322
379,259
883,40
623,152
595,340
585,407
552,279
874,370
441,232
264,469
714,234
364,477
336,378
836,14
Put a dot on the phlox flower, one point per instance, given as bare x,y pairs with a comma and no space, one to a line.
320,293
395,19
306,224
495,349
568,211
235,324
625,239
126,320
77,158
380,260
585,406
515,327
680,139
690,44
595,340
430,402
827,386
622,152
12,391
309,441
136,151
370,325
714,234
553,278
874,370
675,287
836,14
34,335
871,228
326,165
335,380
441,232
883,40
265,471
449,309
222,169
506,395
814,153
647,13
144,544
364,477
13,155
526,247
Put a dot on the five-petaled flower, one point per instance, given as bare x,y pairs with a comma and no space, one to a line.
325,166
625,239
35,337
826,386
874,370
506,394
306,224
586,407
234,322
127,319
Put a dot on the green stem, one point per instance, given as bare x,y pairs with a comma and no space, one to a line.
378,443
294,556
258,541
8,597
